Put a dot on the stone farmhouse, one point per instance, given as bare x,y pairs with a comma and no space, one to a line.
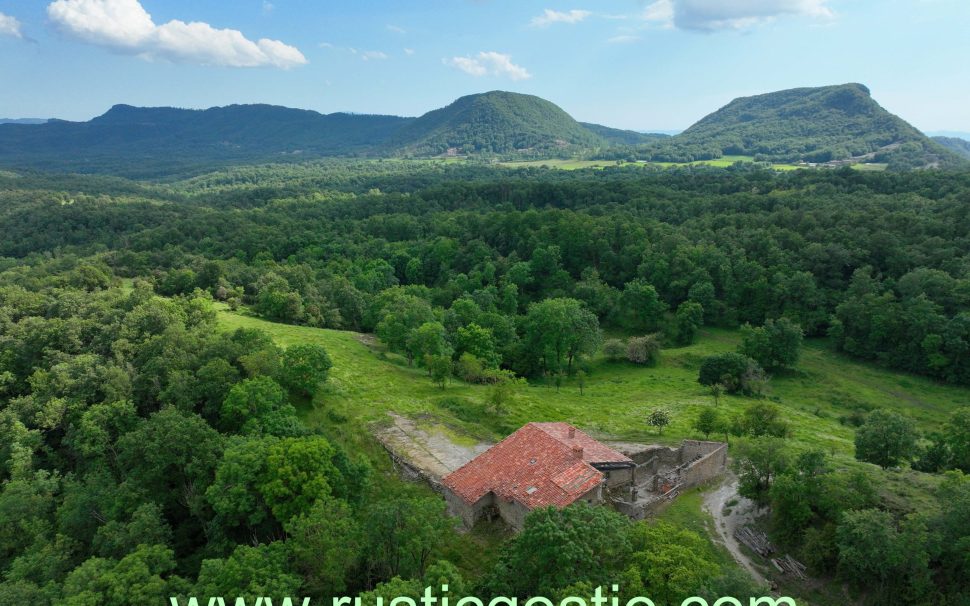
555,464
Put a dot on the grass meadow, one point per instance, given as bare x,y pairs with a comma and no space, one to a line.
826,389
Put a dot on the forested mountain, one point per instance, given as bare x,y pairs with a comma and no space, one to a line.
829,124
165,135
823,124
161,140
616,136
955,144
496,122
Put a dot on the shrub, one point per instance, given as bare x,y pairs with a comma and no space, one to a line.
736,372
643,350
614,349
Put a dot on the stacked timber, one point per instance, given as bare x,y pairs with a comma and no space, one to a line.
789,565
755,540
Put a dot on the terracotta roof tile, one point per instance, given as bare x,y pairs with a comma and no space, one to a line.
540,464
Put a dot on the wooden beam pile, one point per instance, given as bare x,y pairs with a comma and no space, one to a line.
755,541
789,565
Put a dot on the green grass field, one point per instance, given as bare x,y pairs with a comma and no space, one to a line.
366,382
568,164
722,162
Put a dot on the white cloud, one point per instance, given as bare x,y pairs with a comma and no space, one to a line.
714,15
10,26
125,26
268,7
623,39
489,64
661,11
373,55
396,29
549,16
408,51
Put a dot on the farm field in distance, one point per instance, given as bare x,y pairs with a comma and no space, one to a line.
722,162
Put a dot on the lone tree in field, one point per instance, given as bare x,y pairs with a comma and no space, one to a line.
707,422
886,439
439,368
717,390
659,418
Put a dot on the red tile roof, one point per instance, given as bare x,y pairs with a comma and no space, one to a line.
540,464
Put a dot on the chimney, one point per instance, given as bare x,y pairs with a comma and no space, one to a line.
578,451
572,432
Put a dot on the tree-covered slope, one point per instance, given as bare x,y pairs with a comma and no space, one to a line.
165,134
616,136
955,144
807,124
495,122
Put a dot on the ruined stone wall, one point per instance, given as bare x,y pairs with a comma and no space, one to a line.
656,456
711,465
618,477
692,448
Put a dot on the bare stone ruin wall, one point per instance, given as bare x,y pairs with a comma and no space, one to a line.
711,465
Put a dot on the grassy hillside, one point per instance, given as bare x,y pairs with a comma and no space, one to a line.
495,122
366,383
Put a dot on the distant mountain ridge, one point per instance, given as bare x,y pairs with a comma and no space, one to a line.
821,124
497,123
23,120
957,145
835,123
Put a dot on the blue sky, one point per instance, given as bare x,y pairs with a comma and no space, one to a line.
651,64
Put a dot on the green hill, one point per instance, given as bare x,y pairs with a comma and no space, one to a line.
824,124
162,138
955,144
496,122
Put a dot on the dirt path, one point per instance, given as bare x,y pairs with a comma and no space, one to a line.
741,514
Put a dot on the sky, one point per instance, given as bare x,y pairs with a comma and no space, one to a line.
636,64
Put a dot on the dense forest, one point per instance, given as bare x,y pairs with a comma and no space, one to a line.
144,452
881,263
